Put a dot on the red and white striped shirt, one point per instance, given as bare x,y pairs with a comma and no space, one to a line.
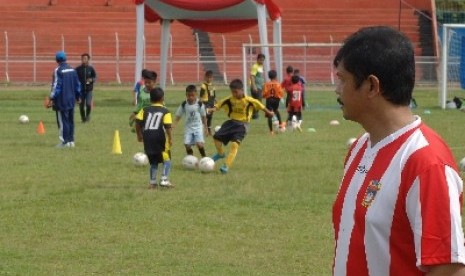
398,208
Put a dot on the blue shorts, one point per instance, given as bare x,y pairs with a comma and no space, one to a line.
192,137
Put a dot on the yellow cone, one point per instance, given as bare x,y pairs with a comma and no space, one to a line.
116,144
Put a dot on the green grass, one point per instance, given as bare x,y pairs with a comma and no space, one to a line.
87,211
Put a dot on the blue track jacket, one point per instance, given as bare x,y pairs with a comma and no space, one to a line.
66,88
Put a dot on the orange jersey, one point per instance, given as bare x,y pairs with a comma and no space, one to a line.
273,89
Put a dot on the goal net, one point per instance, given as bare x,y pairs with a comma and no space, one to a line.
452,76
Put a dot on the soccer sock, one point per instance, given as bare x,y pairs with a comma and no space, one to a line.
278,115
202,152
190,151
166,168
219,147
153,173
232,153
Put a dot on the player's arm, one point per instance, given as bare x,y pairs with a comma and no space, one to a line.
447,269
167,123
139,117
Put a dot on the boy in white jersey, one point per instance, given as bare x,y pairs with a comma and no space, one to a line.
196,121
398,208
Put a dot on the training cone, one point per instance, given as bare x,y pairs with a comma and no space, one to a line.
116,144
41,128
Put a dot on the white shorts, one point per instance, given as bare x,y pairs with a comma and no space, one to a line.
192,137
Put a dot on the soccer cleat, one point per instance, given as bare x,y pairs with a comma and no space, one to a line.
71,144
272,133
61,145
217,156
224,169
166,183
152,186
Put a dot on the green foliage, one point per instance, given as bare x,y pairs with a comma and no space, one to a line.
87,211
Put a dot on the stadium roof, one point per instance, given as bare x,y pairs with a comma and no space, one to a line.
216,16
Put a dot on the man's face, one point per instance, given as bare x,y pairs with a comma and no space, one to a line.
348,96
260,60
84,60
209,79
149,84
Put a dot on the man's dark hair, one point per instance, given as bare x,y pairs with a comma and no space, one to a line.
259,56
272,74
156,94
190,88
295,79
385,53
289,69
236,84
151,75
85,55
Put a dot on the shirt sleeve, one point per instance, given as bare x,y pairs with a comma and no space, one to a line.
256,103
167,119
433,206
254,69
140,115
179,112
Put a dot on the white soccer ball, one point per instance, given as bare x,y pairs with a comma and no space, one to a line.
23,119
462,165
206,164
451,105
140,159
350,141
190,162
217,128
334,123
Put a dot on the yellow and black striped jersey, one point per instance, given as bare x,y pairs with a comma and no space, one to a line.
240,109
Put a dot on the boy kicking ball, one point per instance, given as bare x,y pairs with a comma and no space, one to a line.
239,109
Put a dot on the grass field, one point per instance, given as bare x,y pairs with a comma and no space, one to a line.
85,211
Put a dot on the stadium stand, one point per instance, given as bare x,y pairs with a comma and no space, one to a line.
106,29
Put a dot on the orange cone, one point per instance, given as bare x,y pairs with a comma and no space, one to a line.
41,128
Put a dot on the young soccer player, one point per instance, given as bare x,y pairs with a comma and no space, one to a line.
287,83
153,128
196,121
138,86
273,92
239,109
295,106
257,79
303,82
143,96
208,96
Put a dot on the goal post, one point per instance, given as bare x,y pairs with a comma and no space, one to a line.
452,69
315,60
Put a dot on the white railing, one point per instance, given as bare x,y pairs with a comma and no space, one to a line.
27,60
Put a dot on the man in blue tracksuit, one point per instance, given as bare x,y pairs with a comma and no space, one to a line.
65,91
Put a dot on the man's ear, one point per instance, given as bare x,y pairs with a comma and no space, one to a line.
375,87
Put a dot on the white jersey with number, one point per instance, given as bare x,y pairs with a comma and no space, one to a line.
398,209
193,113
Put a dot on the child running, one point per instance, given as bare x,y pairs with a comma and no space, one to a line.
196,121
153,127
273,92
239,109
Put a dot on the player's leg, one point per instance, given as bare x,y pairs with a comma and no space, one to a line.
236,135
153,161
82,105
209,122
221,137
164,182
188,141
269,106
88,105
200,141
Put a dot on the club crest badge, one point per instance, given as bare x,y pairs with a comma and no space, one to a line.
371,192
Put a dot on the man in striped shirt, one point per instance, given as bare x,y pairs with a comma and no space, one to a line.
398,208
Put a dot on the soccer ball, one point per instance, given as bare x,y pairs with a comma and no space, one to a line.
462,165
190,162
23,119
334,123
217,128
140,159
350,142
206,164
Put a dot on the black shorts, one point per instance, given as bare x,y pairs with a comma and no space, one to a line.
272,104
155,158
231,131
